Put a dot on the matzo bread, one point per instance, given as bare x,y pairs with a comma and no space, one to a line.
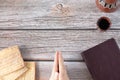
30,73
10,60
14,75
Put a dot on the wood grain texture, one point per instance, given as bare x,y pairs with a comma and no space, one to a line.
39,14
42,44
76,70
30,24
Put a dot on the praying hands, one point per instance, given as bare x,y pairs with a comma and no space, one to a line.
59,71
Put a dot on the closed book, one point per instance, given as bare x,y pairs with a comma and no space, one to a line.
103,61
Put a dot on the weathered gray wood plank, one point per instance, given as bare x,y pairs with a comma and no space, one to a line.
76,70
39,14
42,44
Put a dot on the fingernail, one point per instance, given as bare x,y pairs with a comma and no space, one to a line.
60,54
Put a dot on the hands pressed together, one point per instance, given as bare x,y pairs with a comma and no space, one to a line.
59,71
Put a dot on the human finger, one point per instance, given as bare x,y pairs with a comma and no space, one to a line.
61,64
55,66
56,76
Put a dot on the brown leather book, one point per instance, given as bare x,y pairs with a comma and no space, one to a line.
103,61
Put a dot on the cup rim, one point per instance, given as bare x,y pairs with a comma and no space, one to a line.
109,21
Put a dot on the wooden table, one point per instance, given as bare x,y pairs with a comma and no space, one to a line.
40,30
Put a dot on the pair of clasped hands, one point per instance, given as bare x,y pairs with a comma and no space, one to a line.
59,71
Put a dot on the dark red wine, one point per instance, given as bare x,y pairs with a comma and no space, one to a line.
103,23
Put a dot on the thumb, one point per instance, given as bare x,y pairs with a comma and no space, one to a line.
56,76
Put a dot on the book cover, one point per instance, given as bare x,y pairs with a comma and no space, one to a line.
103,61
